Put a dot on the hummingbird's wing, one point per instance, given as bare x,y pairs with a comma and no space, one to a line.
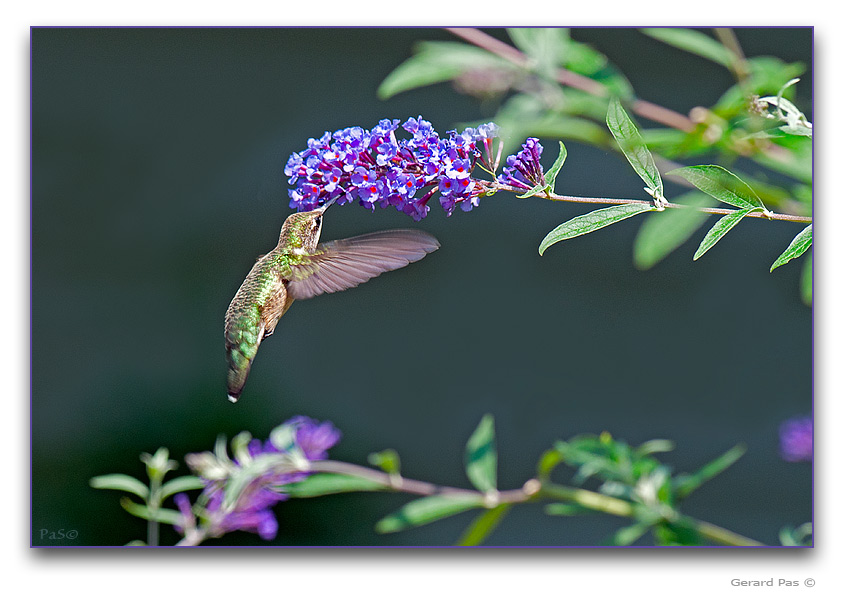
345,263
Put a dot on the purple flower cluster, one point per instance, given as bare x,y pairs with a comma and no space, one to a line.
252,510
523,169
796,443
373,167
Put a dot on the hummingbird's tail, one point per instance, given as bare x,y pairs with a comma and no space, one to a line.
239,367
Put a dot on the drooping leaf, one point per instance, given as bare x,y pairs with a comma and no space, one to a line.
121,482
592,221
720,229
483,525
328,484
435,62
801,242
692,41
663,232
481,456
163,515
721,185
631,144
428,509
684,485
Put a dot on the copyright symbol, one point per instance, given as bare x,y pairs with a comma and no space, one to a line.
71,534
809,582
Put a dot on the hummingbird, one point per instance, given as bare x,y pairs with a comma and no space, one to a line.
300,268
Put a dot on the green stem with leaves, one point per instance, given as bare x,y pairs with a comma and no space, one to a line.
532,491
601,200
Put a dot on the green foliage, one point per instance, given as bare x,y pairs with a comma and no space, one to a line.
482,457
427,510
633,147
152,496
694,42
665,231
798,245
592,221
331,483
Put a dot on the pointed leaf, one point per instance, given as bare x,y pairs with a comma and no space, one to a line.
629,534
483,525
630,141
551,174
798,245
686,484
720,229
327,484
165,516
692,41
179,484
438,61
428,509
481,456
664,231
121,482
592,221
721,185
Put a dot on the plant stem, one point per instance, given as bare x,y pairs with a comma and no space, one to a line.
596,200
531,491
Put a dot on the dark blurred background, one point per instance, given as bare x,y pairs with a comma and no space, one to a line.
157,179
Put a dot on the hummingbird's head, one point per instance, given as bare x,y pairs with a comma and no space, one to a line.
302,229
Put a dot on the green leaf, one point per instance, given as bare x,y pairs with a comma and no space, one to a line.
592,221
721,185
483,525
481,456
687,484
438,61
545,46
387,460
692,41
664,231
551,174
428,509
328,484
796,537
654,446
121,482
165,516
630,141
179,484
795,249
720,229
629,534
567,509
550,459
806,282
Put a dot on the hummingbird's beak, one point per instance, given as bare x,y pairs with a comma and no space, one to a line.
325,206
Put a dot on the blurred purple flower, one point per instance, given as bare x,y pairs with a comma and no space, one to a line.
252,509
375,168
796,443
